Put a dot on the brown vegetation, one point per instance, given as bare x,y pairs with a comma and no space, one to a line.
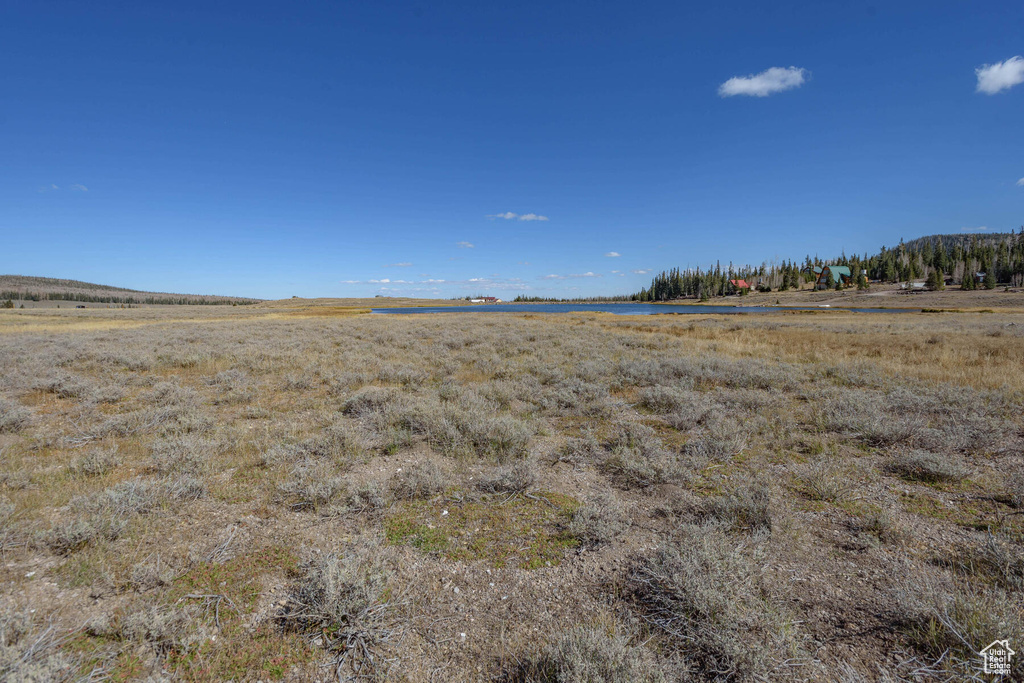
244,494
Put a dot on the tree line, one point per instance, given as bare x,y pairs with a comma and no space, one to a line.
119,298
968,260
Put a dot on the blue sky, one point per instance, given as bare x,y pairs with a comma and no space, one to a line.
443,149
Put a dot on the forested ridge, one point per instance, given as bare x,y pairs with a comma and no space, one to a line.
936,258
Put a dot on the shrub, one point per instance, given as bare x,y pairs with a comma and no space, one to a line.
340,599
1014,494
719,441
502,437
509,479
586,655
928,467
186,488
826,481
336,442
164,629
662,399
95,463
102,516
637,457
13,416
310,485
369,400
707,595
182,454
580,451
27,656
747,508
367,495
883,526
421,480
598,521
949,623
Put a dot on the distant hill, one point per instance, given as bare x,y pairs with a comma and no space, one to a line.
27,288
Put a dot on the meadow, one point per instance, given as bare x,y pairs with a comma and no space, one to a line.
280,492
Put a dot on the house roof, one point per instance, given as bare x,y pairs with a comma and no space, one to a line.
839,270
742,284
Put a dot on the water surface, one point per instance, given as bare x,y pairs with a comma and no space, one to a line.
623,309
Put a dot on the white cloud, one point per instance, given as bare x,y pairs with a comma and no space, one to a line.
773,80
613,254
642,271
1020,183
383,281
509,216
993,78
464,245
980,228
565,277
404,264
79,188
616,271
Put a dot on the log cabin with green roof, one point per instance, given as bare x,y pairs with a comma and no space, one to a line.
838,273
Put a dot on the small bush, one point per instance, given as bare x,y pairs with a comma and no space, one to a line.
102,516
709,597
310,485
719,441
340,599
581,451
13,416
502,437
826,481
951,623
183,454
336,442
662,399
1014,493
882,526
95,463
637,457
509,479
164,629
932,468
369,400
186,488
598,521
367,495
27,656
747,508
585,655
421,480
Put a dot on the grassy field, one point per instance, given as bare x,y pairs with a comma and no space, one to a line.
306,492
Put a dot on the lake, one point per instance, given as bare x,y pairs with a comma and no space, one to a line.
623,309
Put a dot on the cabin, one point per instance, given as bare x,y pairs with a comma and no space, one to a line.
486,300
739,285
839,274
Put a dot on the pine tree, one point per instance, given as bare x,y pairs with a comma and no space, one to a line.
990,277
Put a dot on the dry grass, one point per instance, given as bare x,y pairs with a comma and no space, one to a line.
559,497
